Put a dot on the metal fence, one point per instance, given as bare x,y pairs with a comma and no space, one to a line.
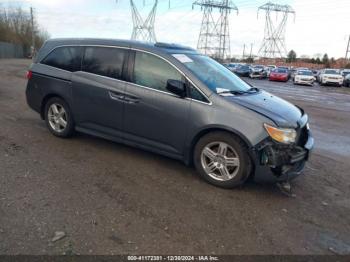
8,50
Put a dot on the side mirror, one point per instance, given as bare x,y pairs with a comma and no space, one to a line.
176,87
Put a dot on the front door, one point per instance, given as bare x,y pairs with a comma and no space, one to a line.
154,117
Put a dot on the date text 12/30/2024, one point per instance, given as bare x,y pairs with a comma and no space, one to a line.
173,258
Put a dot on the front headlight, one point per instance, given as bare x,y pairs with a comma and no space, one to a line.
281,135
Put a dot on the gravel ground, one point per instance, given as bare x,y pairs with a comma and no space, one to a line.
112,199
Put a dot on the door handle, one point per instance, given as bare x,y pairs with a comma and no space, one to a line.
124,98
132,99
117,96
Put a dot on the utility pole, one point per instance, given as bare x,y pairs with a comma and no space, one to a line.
243,56
347,49
33,32
214,37
274,36
251,50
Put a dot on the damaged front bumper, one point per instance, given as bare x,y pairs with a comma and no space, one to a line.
278,163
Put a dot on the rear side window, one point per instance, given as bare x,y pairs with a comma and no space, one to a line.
153,72
66,58
104,61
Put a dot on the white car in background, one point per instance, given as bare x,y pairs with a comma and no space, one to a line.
304,77
269,68
331,77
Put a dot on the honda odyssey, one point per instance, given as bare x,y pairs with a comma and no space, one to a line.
171,100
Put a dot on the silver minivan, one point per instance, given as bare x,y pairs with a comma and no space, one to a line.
171,100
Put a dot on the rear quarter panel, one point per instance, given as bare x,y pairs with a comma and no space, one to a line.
48,81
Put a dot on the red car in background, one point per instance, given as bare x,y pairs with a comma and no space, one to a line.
279,74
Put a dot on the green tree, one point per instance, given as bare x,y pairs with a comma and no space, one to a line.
292,56
325,60
16,28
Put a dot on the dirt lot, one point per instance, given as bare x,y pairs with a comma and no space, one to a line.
112,199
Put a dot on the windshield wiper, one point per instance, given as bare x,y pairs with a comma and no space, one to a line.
239,92
233,92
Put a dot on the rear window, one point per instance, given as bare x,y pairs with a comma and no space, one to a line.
104,61
66,58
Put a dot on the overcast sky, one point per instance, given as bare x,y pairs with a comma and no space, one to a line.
320,25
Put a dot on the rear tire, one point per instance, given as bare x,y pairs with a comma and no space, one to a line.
222,159
58,118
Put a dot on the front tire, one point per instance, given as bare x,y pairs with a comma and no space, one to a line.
222,159
58,118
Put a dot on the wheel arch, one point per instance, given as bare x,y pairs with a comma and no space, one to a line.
45,100
210,129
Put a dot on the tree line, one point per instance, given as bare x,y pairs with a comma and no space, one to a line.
326,61
18,27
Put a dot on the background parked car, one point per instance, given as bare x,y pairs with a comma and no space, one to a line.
279,74
347,81
331,77
243,70
269,68
315,73
304,77
293,71
232,66
345,72
287,69
318,77
258,71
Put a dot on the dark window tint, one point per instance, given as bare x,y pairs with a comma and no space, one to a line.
66,58
104,61
153,72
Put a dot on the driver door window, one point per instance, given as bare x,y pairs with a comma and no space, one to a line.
153,72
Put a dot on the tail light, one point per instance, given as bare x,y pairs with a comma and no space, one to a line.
29,75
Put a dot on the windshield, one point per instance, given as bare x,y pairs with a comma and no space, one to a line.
259,67
305,73
217,77
331,72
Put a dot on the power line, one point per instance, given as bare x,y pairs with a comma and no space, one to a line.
274,35
214,37
143,29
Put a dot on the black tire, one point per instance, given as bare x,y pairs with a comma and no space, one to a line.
68,131
241,149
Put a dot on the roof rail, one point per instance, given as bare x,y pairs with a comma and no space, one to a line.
172,46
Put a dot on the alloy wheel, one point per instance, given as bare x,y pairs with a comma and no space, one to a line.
220,161
57,117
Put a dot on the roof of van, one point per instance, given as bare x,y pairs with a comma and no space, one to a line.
152,47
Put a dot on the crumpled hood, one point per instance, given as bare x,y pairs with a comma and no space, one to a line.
283,113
